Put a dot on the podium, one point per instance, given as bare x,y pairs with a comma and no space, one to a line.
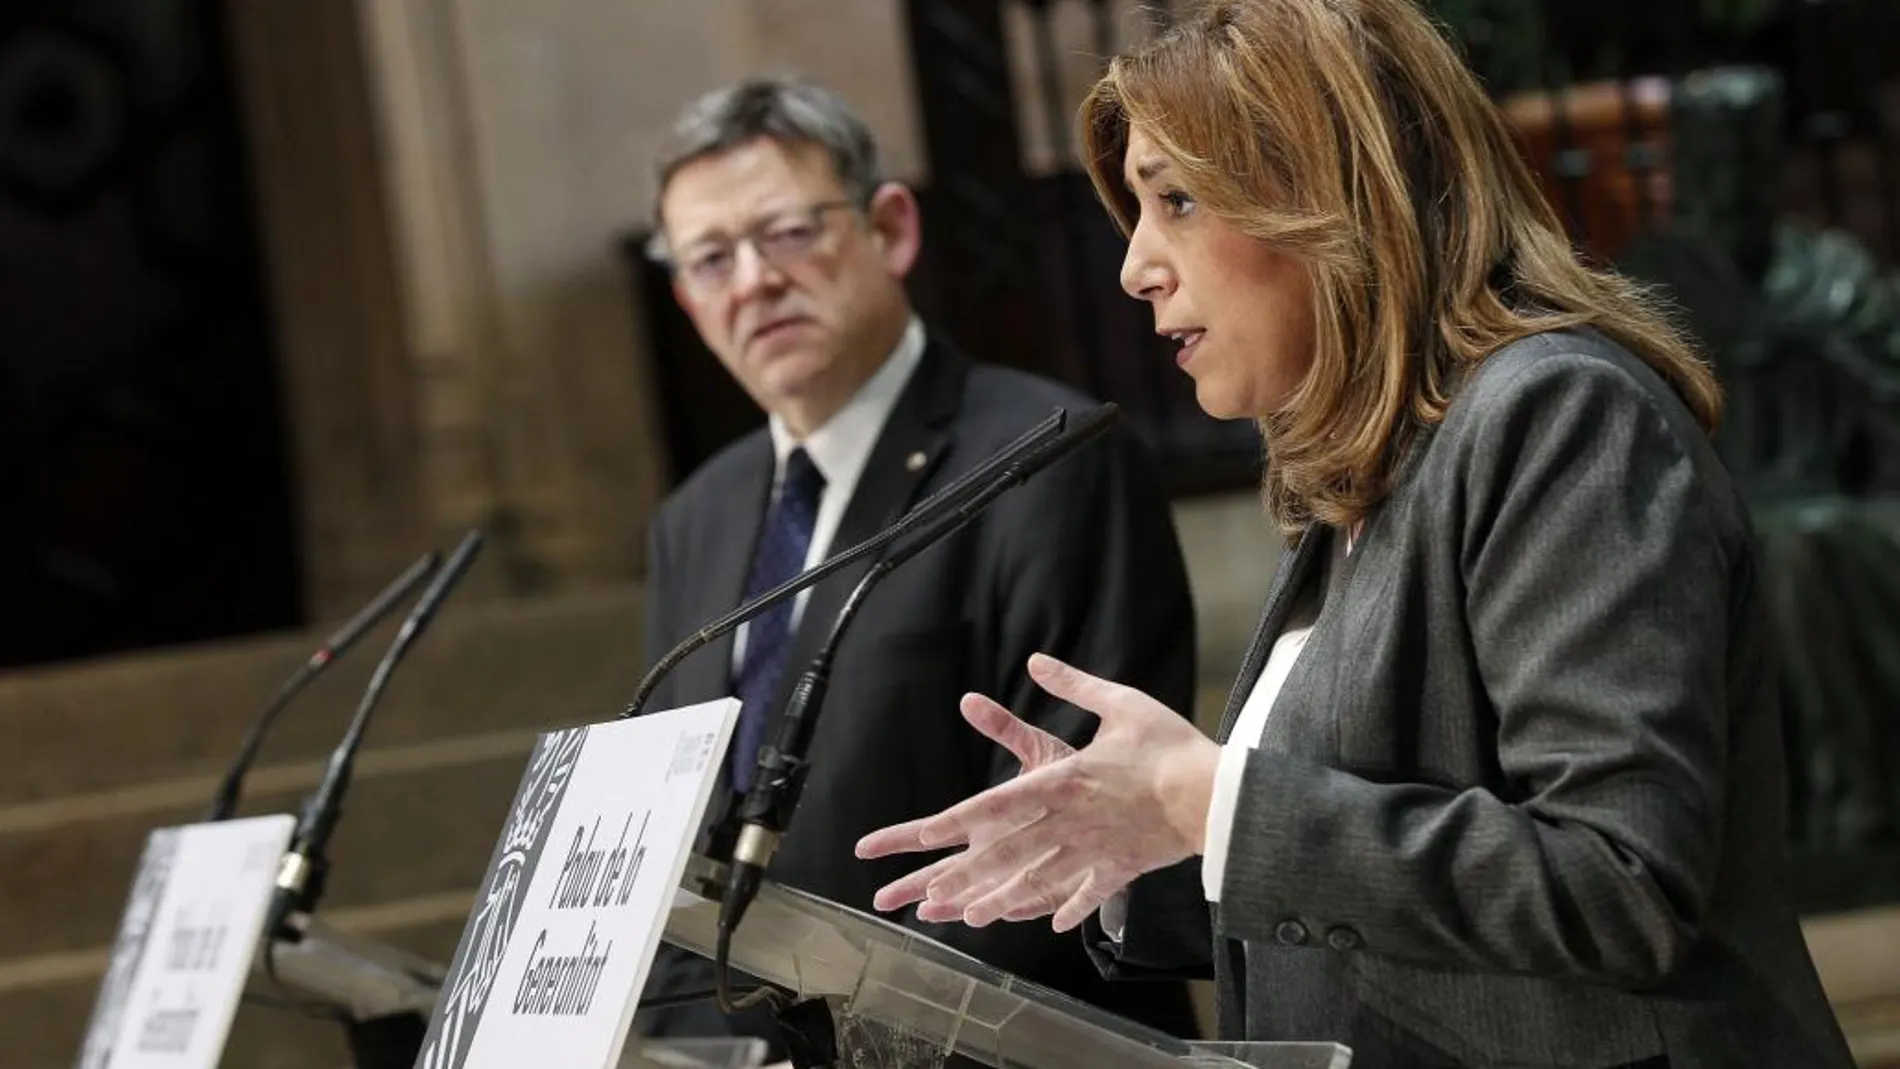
897,998
901,999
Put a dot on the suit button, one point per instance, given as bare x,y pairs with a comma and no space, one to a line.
1290,932
1344,939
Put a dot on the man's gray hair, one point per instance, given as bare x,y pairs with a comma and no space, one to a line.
785,110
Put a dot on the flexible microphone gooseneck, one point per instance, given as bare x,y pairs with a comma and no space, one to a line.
949,497
224,802
300,877
768,807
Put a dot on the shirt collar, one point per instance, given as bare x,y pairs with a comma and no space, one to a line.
842,446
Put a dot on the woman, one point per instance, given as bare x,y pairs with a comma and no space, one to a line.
1501,781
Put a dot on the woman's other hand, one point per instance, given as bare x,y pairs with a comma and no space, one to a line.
1075,826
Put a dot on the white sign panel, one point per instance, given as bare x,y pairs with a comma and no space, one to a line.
570,915
186,941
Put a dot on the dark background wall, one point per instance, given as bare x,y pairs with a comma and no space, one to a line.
143,488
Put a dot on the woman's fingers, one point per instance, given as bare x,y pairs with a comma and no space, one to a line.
1039,887
1087,898
1106,699
1031,745
910,837
911,888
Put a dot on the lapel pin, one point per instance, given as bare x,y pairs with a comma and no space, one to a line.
915,462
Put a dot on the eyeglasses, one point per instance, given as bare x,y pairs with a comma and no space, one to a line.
781,240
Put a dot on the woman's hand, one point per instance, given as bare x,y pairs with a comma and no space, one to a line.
1075,826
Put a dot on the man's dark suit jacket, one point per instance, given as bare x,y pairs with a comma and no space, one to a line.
1081,562
1520,801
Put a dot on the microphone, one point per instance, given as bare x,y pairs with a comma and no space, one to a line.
768,806
224,802
767,809
929,509
300,876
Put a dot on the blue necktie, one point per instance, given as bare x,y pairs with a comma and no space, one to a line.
779,556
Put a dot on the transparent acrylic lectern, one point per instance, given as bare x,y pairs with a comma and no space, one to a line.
899,1000
903,1001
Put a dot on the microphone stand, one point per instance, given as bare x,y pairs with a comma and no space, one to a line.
301,874
947,498
768,807
224,802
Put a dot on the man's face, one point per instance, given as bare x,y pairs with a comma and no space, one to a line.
796,288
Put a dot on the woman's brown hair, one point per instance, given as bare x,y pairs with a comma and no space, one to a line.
1350,134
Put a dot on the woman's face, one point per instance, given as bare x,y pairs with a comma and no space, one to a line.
1241,311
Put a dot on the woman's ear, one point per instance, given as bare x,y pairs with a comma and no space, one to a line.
896,227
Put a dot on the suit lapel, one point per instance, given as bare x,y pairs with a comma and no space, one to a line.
1294,570
911,447
728,561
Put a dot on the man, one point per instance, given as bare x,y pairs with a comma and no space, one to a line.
789,253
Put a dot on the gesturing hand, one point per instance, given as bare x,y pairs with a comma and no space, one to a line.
1075,826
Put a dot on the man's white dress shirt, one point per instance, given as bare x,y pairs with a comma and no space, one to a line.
839,450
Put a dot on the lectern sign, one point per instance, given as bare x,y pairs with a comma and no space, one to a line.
185,945
569,916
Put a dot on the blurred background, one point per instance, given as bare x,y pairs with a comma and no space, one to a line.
291,291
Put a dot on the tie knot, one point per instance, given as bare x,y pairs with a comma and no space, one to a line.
803,480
